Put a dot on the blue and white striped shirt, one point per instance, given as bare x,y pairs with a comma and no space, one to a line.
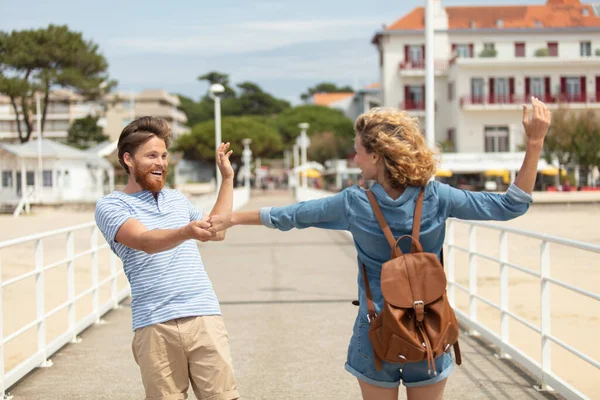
166,285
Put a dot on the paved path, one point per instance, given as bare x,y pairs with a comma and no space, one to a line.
286,302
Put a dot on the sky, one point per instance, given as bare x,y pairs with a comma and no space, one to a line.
284,46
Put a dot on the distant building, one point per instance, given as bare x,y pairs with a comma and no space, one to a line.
352,104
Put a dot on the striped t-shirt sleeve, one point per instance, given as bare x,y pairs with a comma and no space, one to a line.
110,215
195,214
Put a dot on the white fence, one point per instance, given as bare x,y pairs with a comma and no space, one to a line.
75,323
542,371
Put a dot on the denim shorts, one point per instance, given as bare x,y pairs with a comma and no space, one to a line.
360,364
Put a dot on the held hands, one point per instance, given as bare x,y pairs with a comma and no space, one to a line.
223,161
536,127
220,223
200,230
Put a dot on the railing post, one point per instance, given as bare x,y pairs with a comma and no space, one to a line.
40,301
95,280
450,263
2,387
472,273
504,317
71,286
113,282
545,313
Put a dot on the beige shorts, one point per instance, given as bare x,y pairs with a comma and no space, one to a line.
184,350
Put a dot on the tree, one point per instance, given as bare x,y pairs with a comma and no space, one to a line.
37,61
218,77
574,138
254,101
251,100
85,133
326,146
321,119
325,87
204,110
199,144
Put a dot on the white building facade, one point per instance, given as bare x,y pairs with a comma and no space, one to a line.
488,62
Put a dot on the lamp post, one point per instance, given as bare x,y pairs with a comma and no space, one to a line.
214,93
296,164
429,75
304,143
247,158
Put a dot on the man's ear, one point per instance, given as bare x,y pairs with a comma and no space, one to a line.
128,159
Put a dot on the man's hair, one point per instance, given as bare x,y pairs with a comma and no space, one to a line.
139,132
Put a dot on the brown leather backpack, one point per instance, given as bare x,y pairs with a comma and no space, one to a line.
416,322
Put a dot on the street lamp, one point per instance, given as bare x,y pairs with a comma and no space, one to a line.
214,92
247,158
303,142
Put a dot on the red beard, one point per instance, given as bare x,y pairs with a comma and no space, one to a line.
150,182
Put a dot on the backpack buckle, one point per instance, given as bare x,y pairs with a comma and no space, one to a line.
419,307
371,316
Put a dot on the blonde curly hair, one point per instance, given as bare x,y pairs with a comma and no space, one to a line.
398,140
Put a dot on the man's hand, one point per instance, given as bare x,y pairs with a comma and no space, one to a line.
536,127
220,223
223,161
199,230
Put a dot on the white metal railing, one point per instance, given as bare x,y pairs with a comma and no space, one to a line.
542,371
76,324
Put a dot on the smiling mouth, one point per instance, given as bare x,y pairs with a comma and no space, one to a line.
155,173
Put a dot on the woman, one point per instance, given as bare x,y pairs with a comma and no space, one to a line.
391,150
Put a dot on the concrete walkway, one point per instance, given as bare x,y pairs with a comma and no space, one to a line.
286,302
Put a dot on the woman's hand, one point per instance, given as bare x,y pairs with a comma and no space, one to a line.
537,125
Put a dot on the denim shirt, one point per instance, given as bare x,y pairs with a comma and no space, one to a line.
350,210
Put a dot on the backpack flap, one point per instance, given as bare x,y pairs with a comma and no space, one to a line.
412,278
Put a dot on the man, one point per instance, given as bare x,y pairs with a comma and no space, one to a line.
179,332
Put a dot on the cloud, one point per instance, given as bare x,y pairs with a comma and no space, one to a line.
244,37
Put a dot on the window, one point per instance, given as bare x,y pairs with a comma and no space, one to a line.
496,139
47,178
553,49
488,47
67,180
585,12
585,49
415,53
537,87
501,89
415,96
499,23
450,91
573,87
463,51
520,49
7,179
477,90
30,178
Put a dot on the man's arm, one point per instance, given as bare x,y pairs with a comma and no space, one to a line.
224,204
135,235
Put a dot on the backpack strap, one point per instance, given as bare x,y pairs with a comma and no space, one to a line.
417,217
370,306
381,219
385,227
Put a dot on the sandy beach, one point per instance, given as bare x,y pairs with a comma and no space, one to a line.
575,319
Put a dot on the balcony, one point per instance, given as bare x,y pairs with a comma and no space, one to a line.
514,102
417,68
519,63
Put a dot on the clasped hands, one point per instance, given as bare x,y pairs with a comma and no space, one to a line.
205,231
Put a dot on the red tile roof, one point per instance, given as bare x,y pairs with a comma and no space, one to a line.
554,14
325,99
